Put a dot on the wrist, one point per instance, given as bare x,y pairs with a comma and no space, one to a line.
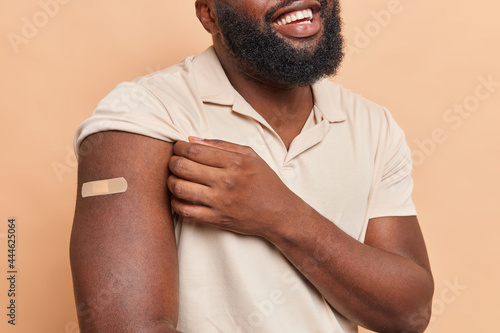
288,225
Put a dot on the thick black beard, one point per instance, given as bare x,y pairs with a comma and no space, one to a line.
271,58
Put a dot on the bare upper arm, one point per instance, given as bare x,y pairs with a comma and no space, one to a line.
400,235
123,251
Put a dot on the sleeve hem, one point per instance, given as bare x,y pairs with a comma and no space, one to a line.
381,211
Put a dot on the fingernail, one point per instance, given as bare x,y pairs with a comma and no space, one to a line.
194,138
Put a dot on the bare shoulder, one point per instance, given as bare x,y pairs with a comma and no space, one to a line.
123,253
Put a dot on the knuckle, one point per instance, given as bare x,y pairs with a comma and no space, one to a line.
184,211
228,183
181,208
176,188
191,151
177,164
223,220
227,202
172,163
237,163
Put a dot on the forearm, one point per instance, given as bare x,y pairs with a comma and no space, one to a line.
380,286
374,288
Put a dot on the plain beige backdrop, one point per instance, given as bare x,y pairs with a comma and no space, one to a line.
434,64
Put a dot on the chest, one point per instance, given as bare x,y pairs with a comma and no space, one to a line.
327,165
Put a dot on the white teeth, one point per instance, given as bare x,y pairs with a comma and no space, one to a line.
296,16
307,13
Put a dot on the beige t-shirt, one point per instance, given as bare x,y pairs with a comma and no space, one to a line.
350,162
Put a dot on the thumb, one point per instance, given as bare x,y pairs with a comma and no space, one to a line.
224,145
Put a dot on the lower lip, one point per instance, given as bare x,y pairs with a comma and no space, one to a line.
296,30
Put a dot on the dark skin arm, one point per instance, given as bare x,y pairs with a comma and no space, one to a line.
123,251
384,284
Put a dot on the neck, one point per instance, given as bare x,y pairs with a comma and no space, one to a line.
285,108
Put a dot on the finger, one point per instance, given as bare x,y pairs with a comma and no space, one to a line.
196,213
224,145
188,191
204,215
193,171
204,154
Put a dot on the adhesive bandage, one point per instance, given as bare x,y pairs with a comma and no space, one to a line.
104,187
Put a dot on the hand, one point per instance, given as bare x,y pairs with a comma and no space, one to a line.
228,186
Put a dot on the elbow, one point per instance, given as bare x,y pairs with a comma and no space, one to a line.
416,315
413,321
417,320
411,312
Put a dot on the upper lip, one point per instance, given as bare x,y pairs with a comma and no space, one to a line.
297,5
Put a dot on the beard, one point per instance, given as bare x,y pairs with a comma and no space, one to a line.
270,58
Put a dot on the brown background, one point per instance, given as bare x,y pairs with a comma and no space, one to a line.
421,61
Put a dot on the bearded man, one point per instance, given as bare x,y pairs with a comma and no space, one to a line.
256,195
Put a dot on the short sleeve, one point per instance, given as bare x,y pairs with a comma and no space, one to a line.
393,189
130,107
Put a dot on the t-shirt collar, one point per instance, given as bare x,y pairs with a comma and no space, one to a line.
214,87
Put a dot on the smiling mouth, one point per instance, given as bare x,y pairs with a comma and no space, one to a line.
304,16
